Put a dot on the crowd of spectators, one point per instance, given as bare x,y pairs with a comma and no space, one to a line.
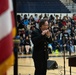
63,32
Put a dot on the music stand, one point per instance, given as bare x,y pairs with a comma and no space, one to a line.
72,61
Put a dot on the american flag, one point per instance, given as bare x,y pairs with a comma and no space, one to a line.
7,32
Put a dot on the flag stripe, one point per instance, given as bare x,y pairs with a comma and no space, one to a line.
13,24
12,17
6,64
5,24
6,47
3,6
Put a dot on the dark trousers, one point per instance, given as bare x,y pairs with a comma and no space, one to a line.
40,66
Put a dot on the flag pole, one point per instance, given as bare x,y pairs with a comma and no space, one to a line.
16,43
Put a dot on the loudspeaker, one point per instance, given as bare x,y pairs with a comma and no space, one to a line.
51,64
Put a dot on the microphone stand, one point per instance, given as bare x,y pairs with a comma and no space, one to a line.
64,49
70,55
64,60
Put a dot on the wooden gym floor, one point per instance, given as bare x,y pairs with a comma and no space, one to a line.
26,65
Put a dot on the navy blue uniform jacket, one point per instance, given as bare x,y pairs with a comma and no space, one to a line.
40,50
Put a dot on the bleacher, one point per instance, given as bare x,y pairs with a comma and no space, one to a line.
41,6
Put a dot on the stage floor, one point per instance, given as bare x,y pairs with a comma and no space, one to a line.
26,65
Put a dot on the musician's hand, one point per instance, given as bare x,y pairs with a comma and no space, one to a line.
64,45
48,34
44,32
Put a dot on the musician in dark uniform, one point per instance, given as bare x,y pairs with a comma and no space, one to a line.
40,38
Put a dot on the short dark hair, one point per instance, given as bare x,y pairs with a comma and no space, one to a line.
42,21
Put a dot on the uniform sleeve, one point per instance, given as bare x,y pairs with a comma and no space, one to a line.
37,38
